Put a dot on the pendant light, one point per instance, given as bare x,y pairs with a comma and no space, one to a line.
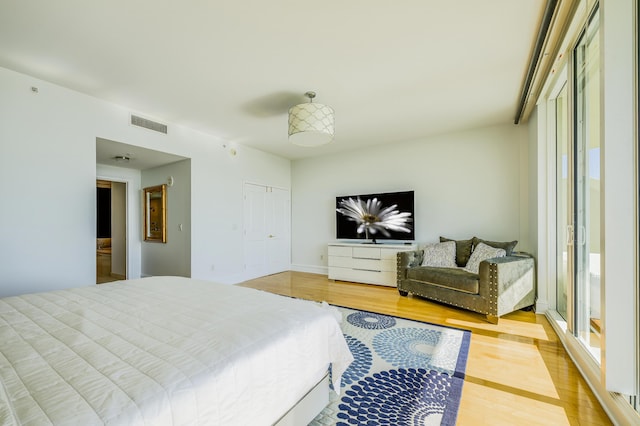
311,124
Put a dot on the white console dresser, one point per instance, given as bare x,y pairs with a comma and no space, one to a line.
365,263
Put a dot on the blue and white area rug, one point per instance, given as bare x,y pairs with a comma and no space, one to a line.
404,373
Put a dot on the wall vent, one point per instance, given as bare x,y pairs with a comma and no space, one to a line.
148,124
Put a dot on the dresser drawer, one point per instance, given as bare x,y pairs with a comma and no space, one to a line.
339,251
366,252
369,277
347,262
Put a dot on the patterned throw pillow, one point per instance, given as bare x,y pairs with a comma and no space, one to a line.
480,253
442,255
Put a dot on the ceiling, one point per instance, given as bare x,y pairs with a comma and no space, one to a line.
392,71
111,152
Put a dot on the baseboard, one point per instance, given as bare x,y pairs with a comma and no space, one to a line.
312,269
542,306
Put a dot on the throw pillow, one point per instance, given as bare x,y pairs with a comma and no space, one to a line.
508,246
442,255
480,253
463,249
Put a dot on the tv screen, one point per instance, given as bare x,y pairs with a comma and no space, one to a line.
373,217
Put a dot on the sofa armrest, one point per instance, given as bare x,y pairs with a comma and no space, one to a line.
508,282
406,260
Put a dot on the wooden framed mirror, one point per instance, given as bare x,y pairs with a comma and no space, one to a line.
155,214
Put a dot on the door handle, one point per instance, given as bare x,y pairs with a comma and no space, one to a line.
569,235
582,236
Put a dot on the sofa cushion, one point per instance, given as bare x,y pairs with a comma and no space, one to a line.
480,253
440,254
507,246
453,278
463,249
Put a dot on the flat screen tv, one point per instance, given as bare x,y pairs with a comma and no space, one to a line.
355,212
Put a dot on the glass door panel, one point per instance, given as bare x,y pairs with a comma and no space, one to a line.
564,231
587,189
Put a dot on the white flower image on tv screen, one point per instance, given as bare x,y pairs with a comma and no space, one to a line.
371,217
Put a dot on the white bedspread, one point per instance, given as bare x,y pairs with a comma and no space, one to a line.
160,351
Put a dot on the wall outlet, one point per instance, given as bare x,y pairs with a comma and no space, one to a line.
322,257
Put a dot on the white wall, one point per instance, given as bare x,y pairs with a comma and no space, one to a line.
174,256
217,207
48,171
47,188
466,184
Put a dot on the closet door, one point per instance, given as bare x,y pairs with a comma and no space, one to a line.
278,220
267,221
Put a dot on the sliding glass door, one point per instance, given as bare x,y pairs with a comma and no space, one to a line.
564,229
587,188
590,85
578,203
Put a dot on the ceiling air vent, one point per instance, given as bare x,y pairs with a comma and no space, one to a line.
148,124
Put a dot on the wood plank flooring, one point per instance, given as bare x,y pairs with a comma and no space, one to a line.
518,373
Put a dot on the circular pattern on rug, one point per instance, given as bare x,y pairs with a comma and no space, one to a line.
362,361
406,347
371,321
396,397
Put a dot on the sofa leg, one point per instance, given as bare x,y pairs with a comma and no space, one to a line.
403,293
492,319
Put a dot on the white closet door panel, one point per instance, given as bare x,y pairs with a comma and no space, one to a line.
278,219
255,226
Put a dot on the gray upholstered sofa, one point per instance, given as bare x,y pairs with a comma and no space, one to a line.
502,284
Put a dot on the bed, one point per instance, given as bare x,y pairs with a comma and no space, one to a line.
164,351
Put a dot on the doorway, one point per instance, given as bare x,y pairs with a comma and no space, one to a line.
111,231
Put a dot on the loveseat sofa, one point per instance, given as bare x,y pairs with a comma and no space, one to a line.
501,284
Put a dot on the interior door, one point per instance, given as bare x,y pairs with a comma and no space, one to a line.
119,230
278,222
267,221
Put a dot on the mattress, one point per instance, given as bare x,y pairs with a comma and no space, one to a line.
162,351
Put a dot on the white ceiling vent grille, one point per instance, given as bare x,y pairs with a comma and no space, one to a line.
148,124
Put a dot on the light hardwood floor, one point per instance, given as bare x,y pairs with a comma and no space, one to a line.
518,373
